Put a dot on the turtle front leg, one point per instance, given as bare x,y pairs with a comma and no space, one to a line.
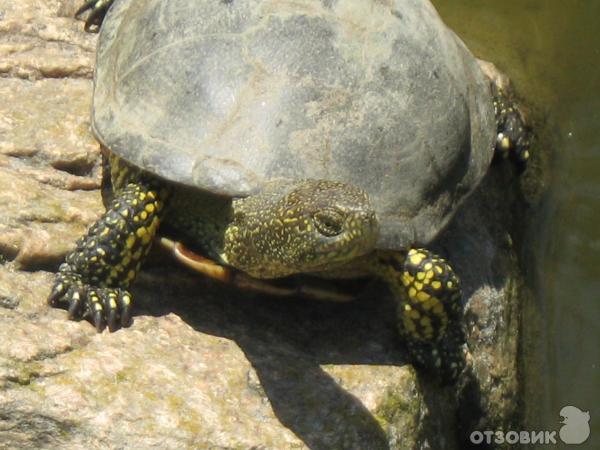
429,308
98,9
93,281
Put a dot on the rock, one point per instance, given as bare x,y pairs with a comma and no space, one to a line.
203,365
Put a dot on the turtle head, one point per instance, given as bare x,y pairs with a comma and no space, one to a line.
300,227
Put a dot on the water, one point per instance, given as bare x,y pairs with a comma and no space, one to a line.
551,50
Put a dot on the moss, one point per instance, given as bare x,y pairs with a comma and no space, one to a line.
24,373
121,376
398,406
399,415
130,376
190,421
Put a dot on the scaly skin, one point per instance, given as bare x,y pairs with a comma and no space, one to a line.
514,136
308,226
95,277
429,309
300,227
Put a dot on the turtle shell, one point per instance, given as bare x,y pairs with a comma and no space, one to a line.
227,95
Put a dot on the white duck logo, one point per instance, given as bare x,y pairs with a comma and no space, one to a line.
576,427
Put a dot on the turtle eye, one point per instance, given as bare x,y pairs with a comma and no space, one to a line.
329,222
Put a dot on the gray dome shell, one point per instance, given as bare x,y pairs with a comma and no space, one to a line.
225,95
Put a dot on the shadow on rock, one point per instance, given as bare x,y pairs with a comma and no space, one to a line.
287,341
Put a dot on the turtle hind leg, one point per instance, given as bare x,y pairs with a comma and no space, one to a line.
97,10
429,309
93,281
514,135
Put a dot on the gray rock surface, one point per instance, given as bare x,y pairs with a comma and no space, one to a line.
205,366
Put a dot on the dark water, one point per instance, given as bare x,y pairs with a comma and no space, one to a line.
551,50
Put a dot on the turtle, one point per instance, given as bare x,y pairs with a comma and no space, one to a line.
331,139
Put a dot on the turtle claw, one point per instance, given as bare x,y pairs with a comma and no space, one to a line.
58,291
67,286
111,320
75,304
98,321
98,9
102,306
125,307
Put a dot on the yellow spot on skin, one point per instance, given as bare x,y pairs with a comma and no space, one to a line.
418,286
428,266
429,274
407,307
449,284
130,242
420,275
439,269
423,296
126,300
436,284
144,215
412,292
425,322
417,258
140,232
428,304
414,314
149,207
410,325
